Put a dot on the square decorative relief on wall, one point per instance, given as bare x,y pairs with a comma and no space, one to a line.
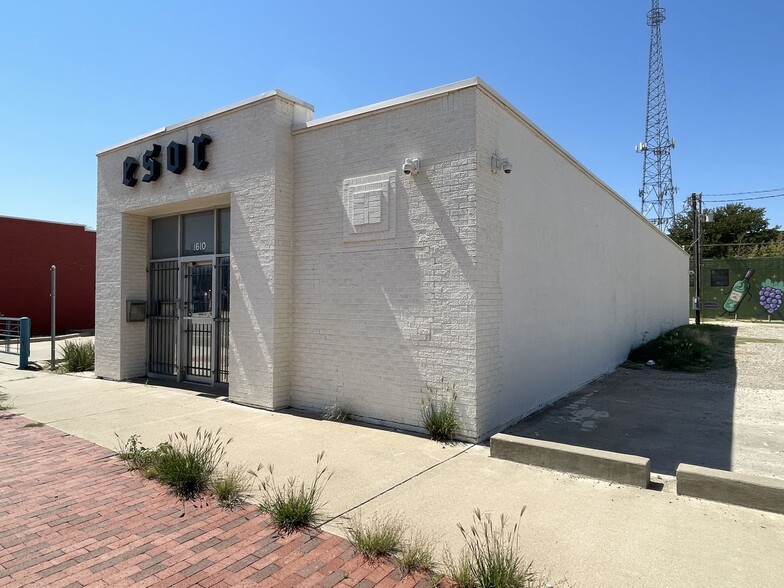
369,208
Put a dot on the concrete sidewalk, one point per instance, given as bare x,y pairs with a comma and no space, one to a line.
589,532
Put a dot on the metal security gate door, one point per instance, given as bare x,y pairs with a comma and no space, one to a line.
163,318
198,323
188,300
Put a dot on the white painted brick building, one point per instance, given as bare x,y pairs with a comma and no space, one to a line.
342,278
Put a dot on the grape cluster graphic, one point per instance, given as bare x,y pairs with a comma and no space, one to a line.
770,295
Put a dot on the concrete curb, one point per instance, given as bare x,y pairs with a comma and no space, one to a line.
731,487
605,465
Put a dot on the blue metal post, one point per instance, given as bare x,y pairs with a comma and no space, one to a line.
24,342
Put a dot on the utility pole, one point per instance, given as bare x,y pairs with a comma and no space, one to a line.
696,211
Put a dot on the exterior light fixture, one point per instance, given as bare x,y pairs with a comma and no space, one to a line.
498,163
411,166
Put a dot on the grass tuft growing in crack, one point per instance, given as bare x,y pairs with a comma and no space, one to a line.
186,465
416,554
292,504
337,412
439,412
231,486
379,537
491,557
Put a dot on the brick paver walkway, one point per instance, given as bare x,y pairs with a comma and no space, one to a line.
72,515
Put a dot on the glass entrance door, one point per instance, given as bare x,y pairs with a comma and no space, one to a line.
198,322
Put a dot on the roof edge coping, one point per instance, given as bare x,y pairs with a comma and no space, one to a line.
211,114
388,104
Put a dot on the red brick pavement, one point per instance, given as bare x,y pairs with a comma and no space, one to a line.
71,515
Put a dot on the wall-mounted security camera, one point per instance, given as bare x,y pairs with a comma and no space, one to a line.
411,166
498,163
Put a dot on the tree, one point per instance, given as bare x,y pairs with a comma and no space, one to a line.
737,230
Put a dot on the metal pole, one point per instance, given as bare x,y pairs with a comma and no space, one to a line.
697,207
24,342
52,304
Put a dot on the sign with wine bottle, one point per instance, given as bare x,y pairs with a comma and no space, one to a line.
738,293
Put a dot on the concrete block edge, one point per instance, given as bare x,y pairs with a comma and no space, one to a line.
730,487
621,468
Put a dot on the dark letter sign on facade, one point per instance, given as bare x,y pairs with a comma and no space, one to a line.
176,160
129,170
152,165
175,157
200,143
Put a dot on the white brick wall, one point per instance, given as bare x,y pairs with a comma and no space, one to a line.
575,277
355,283
250,170
375,319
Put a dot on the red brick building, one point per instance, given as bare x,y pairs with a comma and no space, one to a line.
30,248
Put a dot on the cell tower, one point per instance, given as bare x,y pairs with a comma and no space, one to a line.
657,192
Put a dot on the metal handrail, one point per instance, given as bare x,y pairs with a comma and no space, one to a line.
15,338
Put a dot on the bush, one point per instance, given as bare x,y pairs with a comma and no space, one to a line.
231,486
491,557
439,412
78,356
686,348
293,504
187,465
382,536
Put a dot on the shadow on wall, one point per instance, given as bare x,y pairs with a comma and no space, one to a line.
375,320
251,318
671,417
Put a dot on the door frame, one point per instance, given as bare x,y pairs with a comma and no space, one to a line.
203,318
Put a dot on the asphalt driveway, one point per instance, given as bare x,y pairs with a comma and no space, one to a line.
730,419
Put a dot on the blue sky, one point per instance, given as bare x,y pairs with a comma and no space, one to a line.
79,76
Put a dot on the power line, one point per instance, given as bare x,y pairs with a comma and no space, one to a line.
747,199
744,193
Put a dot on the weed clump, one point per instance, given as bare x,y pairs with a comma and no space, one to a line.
78,356
686,348
439,412
137,457
186,465
231,486
292,504
337,412
5,402
416,555
381,536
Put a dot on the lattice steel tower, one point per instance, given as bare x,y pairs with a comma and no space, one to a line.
657,192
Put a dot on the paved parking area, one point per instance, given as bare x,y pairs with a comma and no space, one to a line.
72,515
730,419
